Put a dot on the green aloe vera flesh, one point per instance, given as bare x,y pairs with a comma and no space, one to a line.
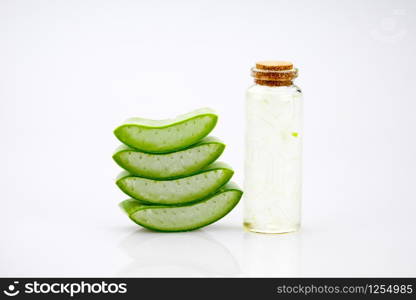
176,191
161,136
169,165
185,217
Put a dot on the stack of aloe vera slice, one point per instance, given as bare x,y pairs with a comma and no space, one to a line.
171,173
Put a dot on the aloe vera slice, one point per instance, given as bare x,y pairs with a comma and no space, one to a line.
176,191
169,165
160,136
185,217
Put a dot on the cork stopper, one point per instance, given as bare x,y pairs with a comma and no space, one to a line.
274,65
274,73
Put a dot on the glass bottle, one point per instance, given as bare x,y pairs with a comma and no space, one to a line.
273,156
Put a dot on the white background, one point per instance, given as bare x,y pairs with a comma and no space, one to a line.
71,71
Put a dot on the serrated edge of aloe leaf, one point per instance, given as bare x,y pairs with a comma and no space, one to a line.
172,121
214,166
136,122
204,141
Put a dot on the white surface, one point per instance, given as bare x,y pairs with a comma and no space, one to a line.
71,71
